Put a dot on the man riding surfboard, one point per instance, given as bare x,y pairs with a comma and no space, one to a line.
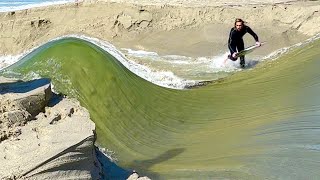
235,42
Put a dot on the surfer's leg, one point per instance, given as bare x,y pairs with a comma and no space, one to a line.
240,47
242,62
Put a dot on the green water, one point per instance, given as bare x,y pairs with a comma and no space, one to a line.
256,124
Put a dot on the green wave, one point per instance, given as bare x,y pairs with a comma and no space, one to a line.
256,124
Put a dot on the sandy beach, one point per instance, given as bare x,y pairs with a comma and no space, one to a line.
191,28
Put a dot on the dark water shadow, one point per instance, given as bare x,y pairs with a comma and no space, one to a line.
55,99
110,169
22,86
199,84
252,64
143,167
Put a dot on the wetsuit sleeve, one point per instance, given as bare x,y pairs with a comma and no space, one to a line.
249,30
231,42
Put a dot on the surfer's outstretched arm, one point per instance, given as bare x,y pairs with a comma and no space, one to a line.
254,35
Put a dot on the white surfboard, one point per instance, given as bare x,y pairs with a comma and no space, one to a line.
248,50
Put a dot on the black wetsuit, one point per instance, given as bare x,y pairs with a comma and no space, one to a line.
235,41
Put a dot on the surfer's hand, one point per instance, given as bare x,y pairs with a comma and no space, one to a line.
234,55
258,43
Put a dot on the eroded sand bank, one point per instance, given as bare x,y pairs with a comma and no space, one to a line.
192,28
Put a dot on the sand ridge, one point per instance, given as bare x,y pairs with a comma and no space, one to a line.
162,27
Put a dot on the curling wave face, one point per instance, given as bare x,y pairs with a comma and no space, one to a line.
258,124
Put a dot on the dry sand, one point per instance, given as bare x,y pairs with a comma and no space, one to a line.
191,28
36,141
41,145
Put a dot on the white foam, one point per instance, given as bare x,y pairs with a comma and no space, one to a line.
175,59
28,6
140,53
32,75
276,54
315,147
220,65
6,61
215,63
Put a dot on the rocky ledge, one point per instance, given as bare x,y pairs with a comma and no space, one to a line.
48,136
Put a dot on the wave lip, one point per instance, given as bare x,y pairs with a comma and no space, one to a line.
205,69
162,78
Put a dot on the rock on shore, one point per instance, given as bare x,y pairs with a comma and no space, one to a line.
47,136
42,138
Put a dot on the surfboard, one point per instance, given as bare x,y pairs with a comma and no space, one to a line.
243,52
248,50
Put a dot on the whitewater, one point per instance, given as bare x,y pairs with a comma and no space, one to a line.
172,71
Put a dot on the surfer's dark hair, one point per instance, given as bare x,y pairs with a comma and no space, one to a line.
238,20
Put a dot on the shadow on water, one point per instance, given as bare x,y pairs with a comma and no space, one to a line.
143,167
252,63
110,169
55,99
23,87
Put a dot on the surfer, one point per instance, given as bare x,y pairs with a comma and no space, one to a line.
235,42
